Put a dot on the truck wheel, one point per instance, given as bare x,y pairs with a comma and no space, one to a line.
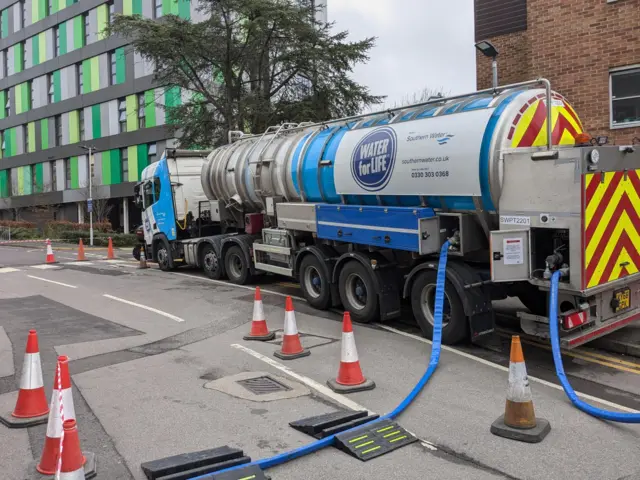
210,262
534,299
454,320
236,266
164,257
358,292
136,252
315,284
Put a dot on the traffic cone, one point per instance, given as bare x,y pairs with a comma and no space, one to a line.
31,406
259,330
50,257
519,421
51,450
72,461
291,346
350,377
143,260
81,257
110,254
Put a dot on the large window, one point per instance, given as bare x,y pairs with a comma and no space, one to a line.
80,78
57,127
25,135
625,98
152,152
34,180
113,68
81,123
50,88
122,115
30,94
87,29
56,41
157,8
54,176
141,119
124,156
26,54
67,173
5,63
7,106
3,146
147,194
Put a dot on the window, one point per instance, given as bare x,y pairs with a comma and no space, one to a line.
152,153
49,7
4,145
9,183
25,136
113,68
112,11
81,123
80,79
157,8
67,173
54,176
50,88
87,29
56,41
5,64
7,106
122,115
124,156
156,188
625,98
57,127
25,54
34,181
147,194
24,13
31,94
141,104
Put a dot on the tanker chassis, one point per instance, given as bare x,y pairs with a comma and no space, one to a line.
356,210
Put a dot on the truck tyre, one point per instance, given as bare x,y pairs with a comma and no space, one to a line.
535,300
358,293
163,254
136,252
454,320
236,266
210,262
315,283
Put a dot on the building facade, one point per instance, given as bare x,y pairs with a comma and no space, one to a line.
588,49
65,85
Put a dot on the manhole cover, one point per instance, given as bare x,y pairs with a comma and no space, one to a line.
263,385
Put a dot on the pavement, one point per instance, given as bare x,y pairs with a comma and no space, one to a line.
154,355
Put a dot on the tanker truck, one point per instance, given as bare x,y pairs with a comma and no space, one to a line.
356,210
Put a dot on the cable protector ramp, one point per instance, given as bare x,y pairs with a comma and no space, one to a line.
331,439
557,360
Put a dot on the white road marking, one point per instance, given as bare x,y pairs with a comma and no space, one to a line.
151,309
506,369
341,399
111,261
246,287
80,263
46,266
52,281
8,270
424,340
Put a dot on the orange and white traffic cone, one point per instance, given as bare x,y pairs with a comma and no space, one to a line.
259,330
81,257
50,257
31,406
291,346
72,461
519,421
110,254
350,377
51,450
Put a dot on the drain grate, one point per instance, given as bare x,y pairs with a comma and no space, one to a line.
263,385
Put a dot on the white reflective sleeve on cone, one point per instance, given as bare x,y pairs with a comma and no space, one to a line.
519,389
31,372
349,353
54,427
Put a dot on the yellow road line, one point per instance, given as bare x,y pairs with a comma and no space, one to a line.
586,356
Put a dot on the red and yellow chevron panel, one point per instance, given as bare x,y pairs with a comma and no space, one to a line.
529,128
611,226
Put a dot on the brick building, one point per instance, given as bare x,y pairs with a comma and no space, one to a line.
588,49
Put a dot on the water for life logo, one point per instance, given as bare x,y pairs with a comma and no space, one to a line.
373,159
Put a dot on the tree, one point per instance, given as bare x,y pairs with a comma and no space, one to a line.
250,64
100,206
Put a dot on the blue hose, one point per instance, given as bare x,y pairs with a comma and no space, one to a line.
433,363
557,360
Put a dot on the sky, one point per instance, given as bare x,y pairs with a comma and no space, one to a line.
420,44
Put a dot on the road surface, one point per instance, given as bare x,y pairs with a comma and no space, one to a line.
153,355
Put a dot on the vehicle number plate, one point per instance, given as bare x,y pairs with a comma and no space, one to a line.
623,299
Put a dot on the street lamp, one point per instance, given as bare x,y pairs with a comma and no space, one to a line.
489,50
91,149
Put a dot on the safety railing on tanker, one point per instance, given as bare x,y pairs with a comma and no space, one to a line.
539,81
